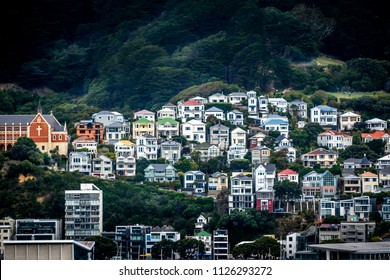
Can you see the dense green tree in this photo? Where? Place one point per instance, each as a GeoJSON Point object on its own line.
{"type": "Point", "coordinates": [26, 149]}
{"type": "Point", "coordinates": [163, 250]}
{"type": "Point", "coordinates": [105, 248]}
{"type": "Point", "coordinates": [190, 248]}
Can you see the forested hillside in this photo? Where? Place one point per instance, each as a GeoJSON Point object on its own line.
{"type": "Point", "coordinates": [138, 54]}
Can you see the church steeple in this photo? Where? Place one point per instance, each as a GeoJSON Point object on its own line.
{"type": "Point", "coordinates": [39, 107]}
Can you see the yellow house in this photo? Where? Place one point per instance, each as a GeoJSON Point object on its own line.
{"type": "Point", "coordinates": [143, 126]}
{"type": "Point", "coordinates": [369, 182]}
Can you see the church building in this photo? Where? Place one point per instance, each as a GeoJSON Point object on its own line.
{"type": "Point", "coordinates": [45, 130]}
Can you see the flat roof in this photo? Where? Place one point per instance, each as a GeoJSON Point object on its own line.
{"type": "Point", "coordinates": [359, 247]}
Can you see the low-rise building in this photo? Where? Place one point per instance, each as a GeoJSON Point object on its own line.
{"type": "Point", "coordinates": [324, 115]}
{"type": "Point", "coordinates": [235, 117]}
{"type": "Point", "coordinates": [194, 130]}
{"type": "Point", "coordinates": [383, 162]}
{"type": "Point", "coordinates": [131, 241]}
{"type": "Point", "coordinates": [90, 129]}
{"type": "Point", "coordinates": [165, 113]}
{"type": "Point", "coordinates": [160, 172]}
{"type": "Point", "coordinates": [124, 148]}
{"type": "Point", "coordinates": [171, 151]}
{"type": "Point", "coordinates": [289, 175]}
{"type": "Point", "coordinates": [145, 114]}
{"type": "Point", "coordinates": [324, 158]}
{"type": "Point", "coordinates": [280, 104]}
{"type": "Point", "coordinates": [376, 124]}
{"type": "Point", "coordinates": [299, 108]}
{"type": "Point", "coordinates": [256, 140]}
{"type": "Point", "coordinates": [357, 231]}
{"type": "Point", "coordinates": [219, 136]}
{"type": "Point", "coordinates": [277, 125]}
{"type": "Point", "coordinates": [236, 152]}
{"type": "Point", "coordinates": [316, 184]}
{"type": "Point", "coordinates": [85, 144]}
{"type": "Point", "coordinates": [353, 165]}
{"type": "Point", "coordinates": [206, 151]}
{"type": "Point", "coordinates": [241, 193]}
{"type": "Point", "coordinates": [141, 127]}
{"type": "Point", "coordinates": [214, 111]}
{"type": "Point", "coordinates": [382, 135]}
{"type": "Point", "coordinates": [217, 182]}
{"type": "Point", "coordinates": [237, 97]}
{"type": "Point", "coordinates": [327, 232]}
{"type": "Point", "coordinates": [369, 182]}
{"type": "Point", "coordinates": [385, 213]}
{"type": "Point", "coordinates": [102, 167]}
{"type": "Point", "coordinates": [351, 184]}
{"type": "Point", "coordinates": [347, 120]}
{"type": "Point", "coordinates": [38, 229]}
{"type": "Point", "coordinates": [238, 137]}
{"type": "Point", "coordinates": [7, 230]}
{"type": "Point", "coordinates": [261, 155]}
{"type": "Point", "coordinates": [107, 117]}
{"type": "Point", "coordinates": [190, 109]}
{"type": "Point", "coordinates": [81, 162]}
{"type": "Point", "coordinates": [218, 98]}
{"type": "Point", "coordinates": [159, 234]}
{"type": "Point", "coordinates": [167, 128]}
{"type": "Point", "coordinates": [147, 147]}
{"type": "Point", "coordinates": [116, 131]}
{"type": "Point", "coordinates": [126, 166]}
{"type": "Point", "coordinates": [194, 182]}
{"type": "Point", "coordinates": [334, 139]}
{"type": "Point", "coordinates": [384, 177]}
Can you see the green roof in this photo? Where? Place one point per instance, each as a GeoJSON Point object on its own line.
{"type": "Point", "coordinates": [203, 233]}
{"type": "Point", "coordinates": [142, 120]}
{"type": "Point", "coordinates": [168, 120]}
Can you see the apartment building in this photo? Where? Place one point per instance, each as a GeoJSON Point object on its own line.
{"type": "Point", "coordinates": [83, 212]}
{"type": "Point", "coordinates": [220, 244]}
{"type": "Point", "coordinates": [241, 193]}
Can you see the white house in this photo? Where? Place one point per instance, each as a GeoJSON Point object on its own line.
{"type": "Point", "coordinates": [167, 128]}
{"type": "Point", "coordinates": [241, 194]}
{"type": "Point", "coordinates": [124, 148]}
{"type": "Point", "coordinates": [116, 131]}
{"type": "Point", "coordinates": [237, 97]}
{"type": "Point", "coordinates": [194, 130]}
{"type": "Point", "coordinates": [166, 113]}
{"type": "Point", "coordinates": [376, 124]}
{"type": "Point", "coordinates": [147, 147]}
{"type": "Point", "coordinates": [145, 114]}
{"type": "Point", "coordinates": [252, 103]}
{"type": "Point", "coordinates": [190, 109]}
{"type": "Point", "coordinates": [236, 152]}
{"type": "Point", "coordinates": [300, 107]}
{"type": "Point", "coordinates": [81, 162]}
{"type": "Point", "coordinates": [324, 115]}
{"type": "Point", "coordinates": [85, 143]}
{"type": "Point", "coordinates": [264, 177]}
{"type": "Point", "coordinates": [200, 99]}
{"type": "Point", "coordinates": [218, 98]}
{"type": "Point", "coordinates": [214, 111]}
{"type": "Point", "coordinates": [263, 104]}
{"type": "Point", "coordinates": [334, 139]}
{"type": "Point", "coordinates": [238, 137]}
{"type": "Point", "coordinates": [107, 117]}
{"type": "Point", "coordinates": [235, 117]}
{"type": "Point", "coordinates": [171, 151]}
{"type": "Point", "coordinates": [347, 120]}
{"type": "Point", "coordinates": [277, 125]}
{"type": "Point", "coordinates": [126, 166]}
{"type": "Point", "coordinates": [219, 136]}
{"type": "Point", "coordinates": [194, 182]}
{"type": "Point", "coordinates": [102, 167]}
{"type": "Point", "coordinates": [280, 104]}
{"type": "Point", "coordinates": [383, 162]}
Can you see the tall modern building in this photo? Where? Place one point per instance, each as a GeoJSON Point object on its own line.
{"type": "Point", "coordinates": [220, 244]}
{"type": "Point", "coordinates": [83, 212]}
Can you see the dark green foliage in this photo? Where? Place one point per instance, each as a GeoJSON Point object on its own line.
{"type": "Point", "coordinates": [262, 248]}
{"type": "Point", "coordinates": [26, 149]}
{"type": "Point", "coordinates": [165, 247]}
{"type": "Point", "coordinates": [248, 225]}
{"type": "Point", "coordinates": [105, 248]}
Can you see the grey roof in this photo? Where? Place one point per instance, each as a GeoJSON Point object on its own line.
{"type": "Point", "coordinates": [159, 166]}
{"type": "Point", "coordinates": [350, 176]}
{"type": "Point", "coordinates": [219, 126]}
{"type": "Point", "coordinates": [202, 146]}
{"type": "Point", "coordinates": [297, 102]}
{"type": "Point", "coordinates": [214, 109]}
{"type": "Point", "coordinates": [236, 112]}
{"type": "Point", "coordinates": [117, 124]}
{"type": "Point", "coordinates": [242, 177]}
{"type": "Point", "coordinates": [147, 135]}
{"type": "Point", "coordinates": [385, 171]}
{"type": "Point", "coordinates": [15, 120]}
{"type": "Point", "coordinates": [325, 108]}
{"type": "Point", "coordinates": [238, 94]}
{"type": "Point", "coordinates": [170, 143]}
{"type": "Point", "coordinates": [363, 161]}
{"type": "Point", "coordinates": [268, 167]}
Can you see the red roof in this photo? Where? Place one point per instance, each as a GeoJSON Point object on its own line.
{"type": "Point", "coordinates": [333, 132]}
{"type": "Point", "coordinates": [287, 171]}
{"type": "Point", "coordinates": [375, 135]}
{"type": "Point", "coordinates": [191, 102]}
